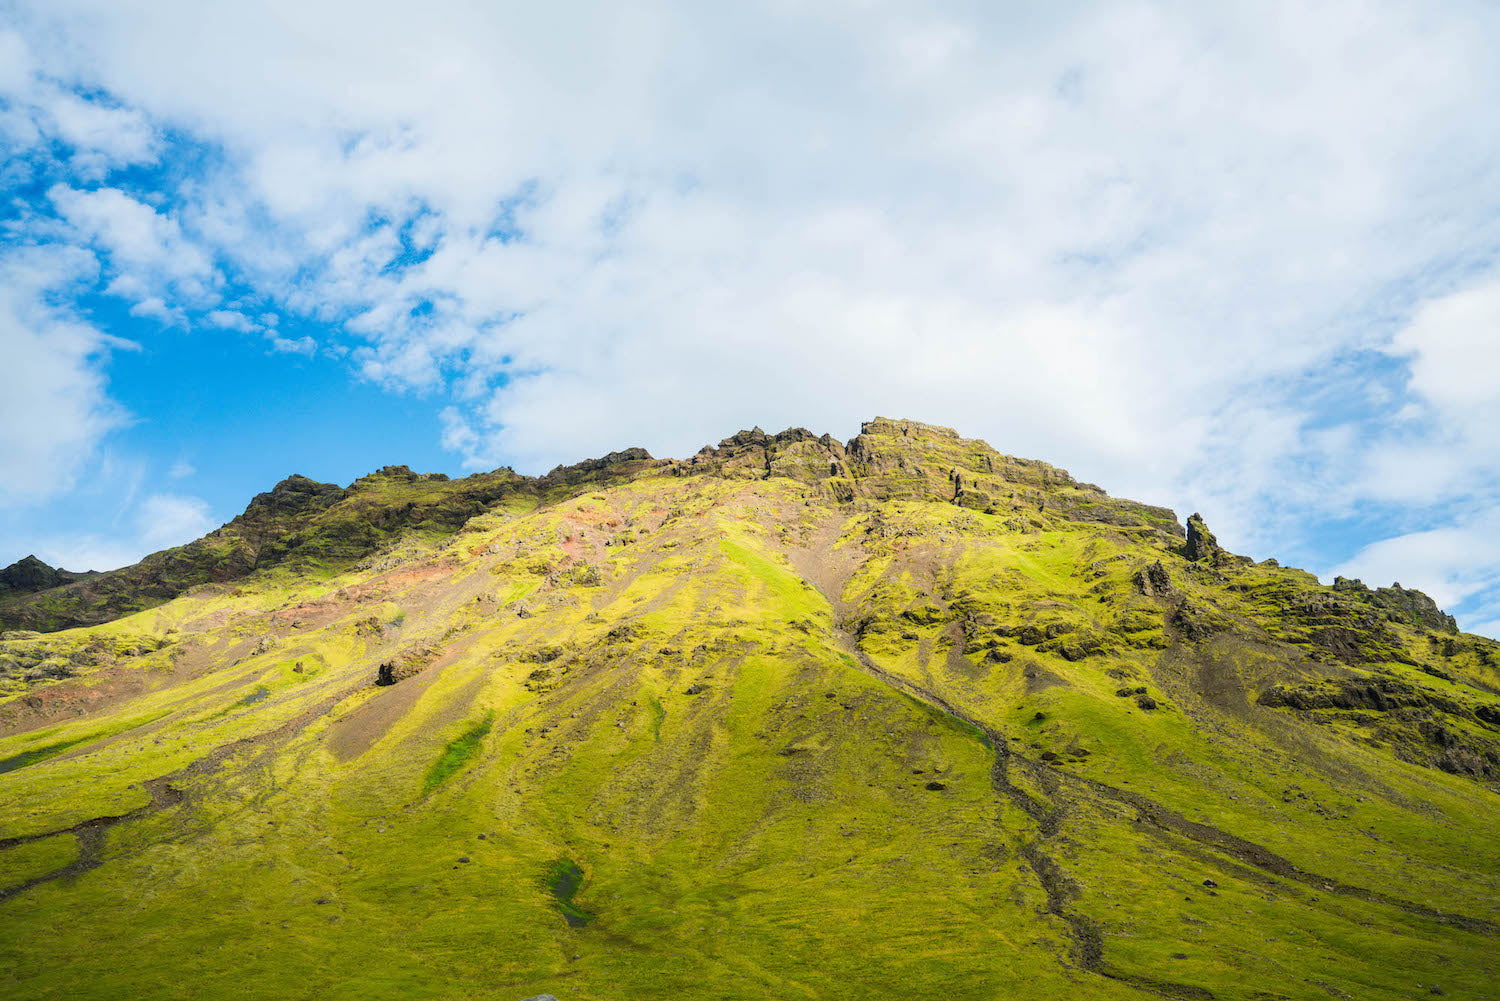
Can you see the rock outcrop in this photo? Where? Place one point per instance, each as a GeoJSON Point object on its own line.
{"type": "Point", "coordinates": [607, 468]}
{"type": "Point", "coordinates": [795, 453]}
{"type": "Point", "coordinates": [1201, 546]}
{"type": "Point", "coordinates": [1400, 604]}
{"type": "Point", "coordinates": [1154, 581]}
{"type": "Point", "coordinates": [909, 460]}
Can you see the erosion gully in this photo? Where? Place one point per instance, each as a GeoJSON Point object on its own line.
{"type": "Point", "coordinates": [1087, 941]}
{"type": "Point", "coordinates": [93, 834]}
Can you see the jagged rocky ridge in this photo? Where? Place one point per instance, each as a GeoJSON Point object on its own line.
{"type": "Point", "coordinates": [303, 524]}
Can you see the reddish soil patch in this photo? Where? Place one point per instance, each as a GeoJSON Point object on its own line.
{"type": "Point", "coordinates": [113, 685]}
{"type": "Point", "coordinates": [408, 576]}
{"type": "Point", "coordinates": [310, 614]}
{"type": "Point", "coordinates": [211, 621]}
{"type": "Point", "coordinates": [69, 700]}
{"type": "Point", "coordinates": [381, 588]}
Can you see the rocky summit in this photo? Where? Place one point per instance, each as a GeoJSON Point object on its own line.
{"type": "Point", "coordinates": [791, 718]}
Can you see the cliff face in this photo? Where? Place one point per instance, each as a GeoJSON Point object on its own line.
{"type": "Point", "coordinates": [791, 717]}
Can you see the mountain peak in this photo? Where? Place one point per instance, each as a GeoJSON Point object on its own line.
{"type": "Point", "coordinates": [29, 575]}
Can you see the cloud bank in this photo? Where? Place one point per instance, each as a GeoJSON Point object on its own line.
{"type": "Point", "coordinates": [1235, 257]}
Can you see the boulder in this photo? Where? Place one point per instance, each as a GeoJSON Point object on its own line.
{"type": "Point", "coordinates": [1154, 581]}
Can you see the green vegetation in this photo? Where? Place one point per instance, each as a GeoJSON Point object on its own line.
{"type": "Point", "coordinates": [301, 529]}
{"type": "Point", "coordinates": [789, 719]}
{"type": "Point", "coordinates": [564, 878]}
{"type": "Point", "coordinates": [33, 755]}
{"type": "Point", "coordinates": [458, 752]}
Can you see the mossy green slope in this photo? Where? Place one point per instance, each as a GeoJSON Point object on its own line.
{"type": "Point", "coordinates": [301, 527]}
{"type": "Point", "coordinates": [788, 719]}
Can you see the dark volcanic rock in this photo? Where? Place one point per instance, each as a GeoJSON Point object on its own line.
{"type": "Point", "coordinates": [1154, 581]}
{"type": "Point", "coordinates": [611, 466]}
{"type": "Point", "coordinates": [1345, 625]}
{"type": "Point", "coordinates": [795, 453]}
{"type": "Point", "coordinates": [1420, 724]}
{"type": "Point", "coordinates": [1399, 604]}
{"type": "Point", "coordinates": [296, 495]}
{"type": "Point", "coordinates": [1201, 546]}
{"type": "Point", "coordinates": [1197, 621]}
{"type": "Point", "coordinates": [1379, 692]}
{"type": "Point", "coordinates": [29, 575]}
{"type": "Point", "coordinates": [409, 662]}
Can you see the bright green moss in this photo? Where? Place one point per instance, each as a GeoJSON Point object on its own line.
{"type": "Point", "coordinates": [564, 879]}
{"type": "Point", "coordinates": [458, 753]}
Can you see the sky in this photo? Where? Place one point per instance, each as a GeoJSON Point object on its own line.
{"type": "Point", "coordinates": [1235, 258]}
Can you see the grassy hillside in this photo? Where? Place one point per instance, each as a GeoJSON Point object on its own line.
{"type": "Point", "coordinates": [789, 719]}
{"type": "Point", "coordinates": [301, 527]}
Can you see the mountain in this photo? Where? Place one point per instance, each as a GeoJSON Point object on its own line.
{"type": "Point", "coordinates": [29, 575]}
{"type": "Point", "coordinates": [299, 526]}
{"type": "Point", "coordinates": [900, 717]}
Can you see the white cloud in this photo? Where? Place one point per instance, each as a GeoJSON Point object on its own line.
{"type": "Point", "coordinates": [53, 404]}
{"type": "Point", "coordinates": [151, 524]}
{"type": "Point", "coordinates": [1443, 562]}
{"type": "Point", "coordinates": [1459, 566]}
{"type": "Point", "coordinates": [1441, 452]}
{"type": "Point", "coordinates": [156, 307]}
{"type": "Point", "coordinates": [166, 520]}
{"type": "Point", "coordinates": [145, 246]}
{"type": "Point", "coordinates": [305, 346]}
{"type": "Point", "coordinates": [101, 135]}
{"type": "Point", "coordinates": [1143, 241]}
{"type": "Point", "coordinates": [1453, 343]}
{"type": "Point", "coordinates": [118, 136]}
{"type": "Point", "coordinates": [15, 64]}
{"type": "Point", "coordinates": [228, 319]}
